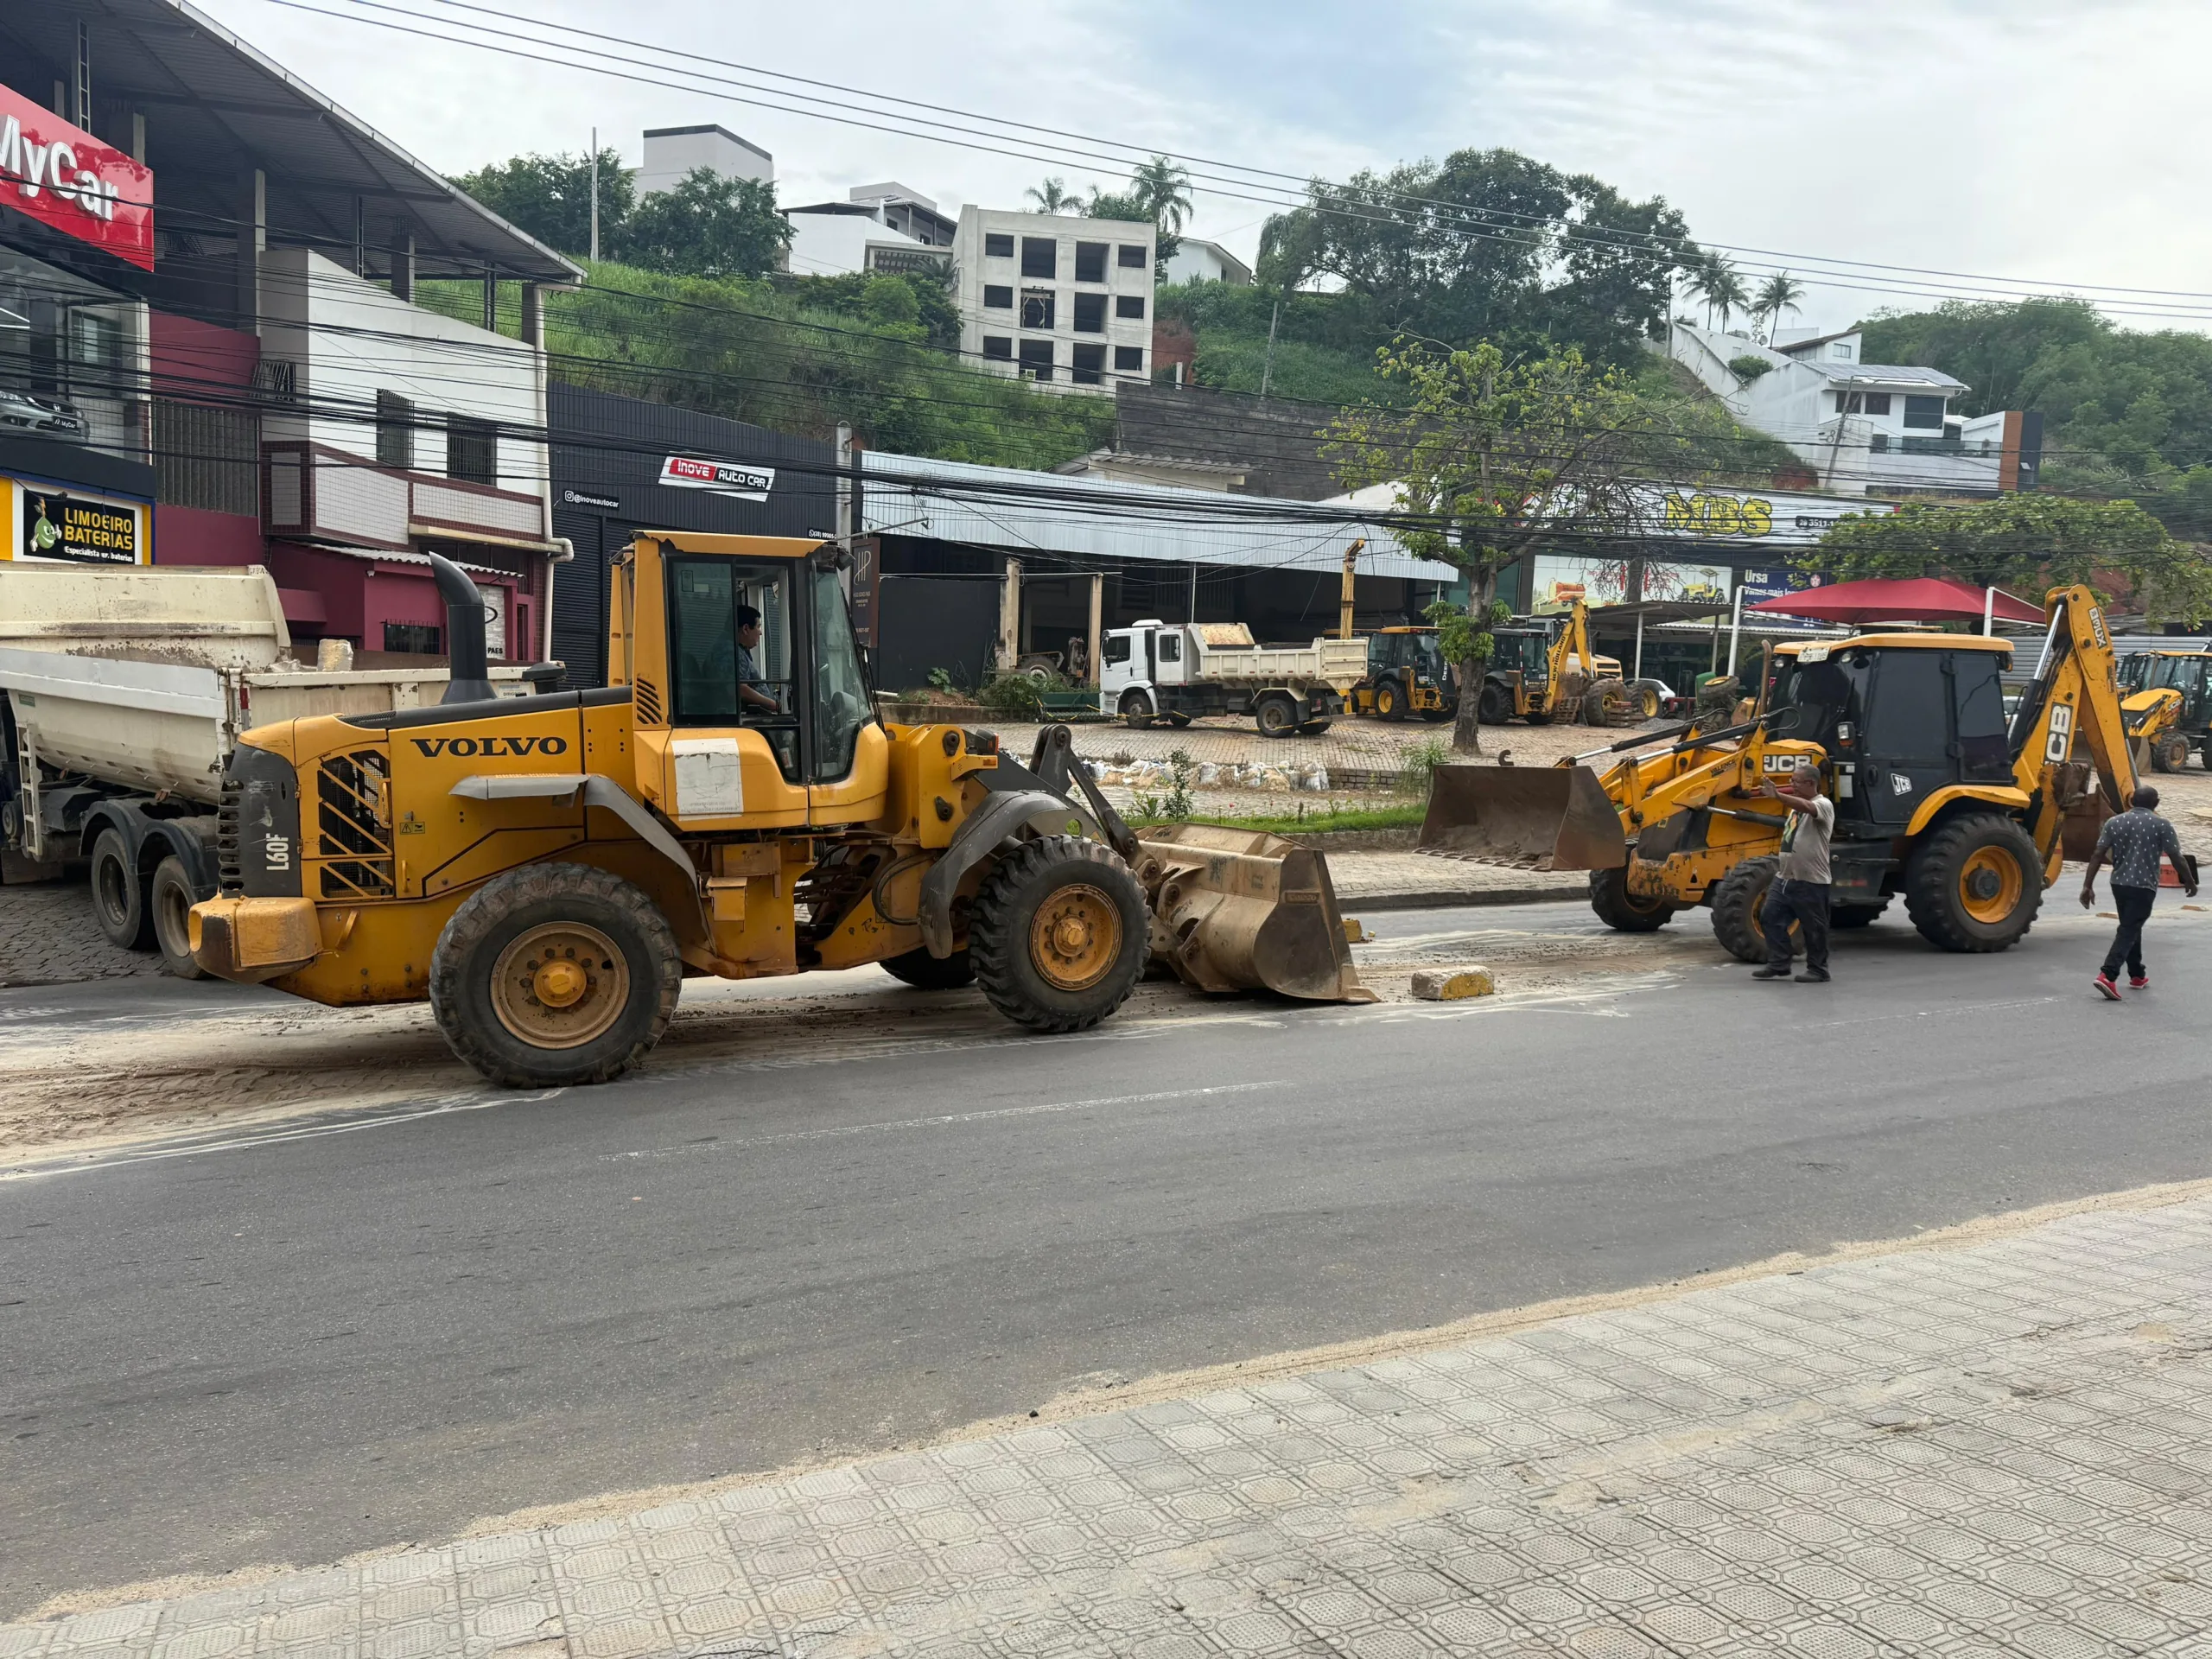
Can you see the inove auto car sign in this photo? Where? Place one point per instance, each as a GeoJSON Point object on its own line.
{"type": "Point", "coordinates": [722, 477]}
{"type": "Point", "coordinates": [62, 176]}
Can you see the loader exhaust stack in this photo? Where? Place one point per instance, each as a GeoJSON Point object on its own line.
{"type": "Point", "coordinates": [1242, 910]}
{"type": "Point", "coordinates": [1523, 818]}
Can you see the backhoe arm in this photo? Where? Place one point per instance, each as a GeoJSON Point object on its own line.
{"type": "Point", "coordinates": [2070, 720]}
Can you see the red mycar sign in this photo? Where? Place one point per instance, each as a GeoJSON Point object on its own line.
{"type": "Point", "coordinates": [63, 176]}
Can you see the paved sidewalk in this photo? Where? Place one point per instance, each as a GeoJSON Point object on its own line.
{"type": "Point", "coordinates": [48, 937]}
{"type": "Point", "coordinates": [1991, 1446]}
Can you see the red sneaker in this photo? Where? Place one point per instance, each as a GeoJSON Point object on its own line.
{"type": "Point", "coordinates": [2107, 989]}
{"type": "Point", "coordinates": [2138, 981]}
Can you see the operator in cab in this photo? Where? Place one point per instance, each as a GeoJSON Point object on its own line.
{"type": "Point", "coordinates": [751, 693]}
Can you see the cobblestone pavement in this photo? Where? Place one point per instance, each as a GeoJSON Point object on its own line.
{"type": "Point", "coordinates": [1992, 1445]}
{"type": "Point", "coordinates": [48, 937]}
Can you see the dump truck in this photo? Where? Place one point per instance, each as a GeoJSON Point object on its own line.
{"type": "Point", "coordinates": [545, 870]}
{"type": "Point", "coordinates": [1177, 671]}
{"type": "Point", "coordinates": [122, 690]}
{"type": "Point", "coordinates": [1938, 797]}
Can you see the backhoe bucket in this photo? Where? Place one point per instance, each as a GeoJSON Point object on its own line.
{"type": "Point", "coordinates": [1523, 818]}
{"type": "Point", "coordinates": [1235, 910]}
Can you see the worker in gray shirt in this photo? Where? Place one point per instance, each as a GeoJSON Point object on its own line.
{"type": "Point", "coordinates": [1799, 890]}
{"type": "Point", "coordinates": [2133, 841]}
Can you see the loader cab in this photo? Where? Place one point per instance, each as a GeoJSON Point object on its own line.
{"type": "Point", "coordinates": [1392, 651]}
{"type": "Point", "coordinates": [1900, 715]}
{"type": "Point", "coordinates": [2187, 672]}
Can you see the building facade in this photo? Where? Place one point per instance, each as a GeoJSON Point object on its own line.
{"type": "Point", "coordinates": [878, 227]}
{"type": "Point", "coordinates": [1194, 261]}
{"type": "Point", "coordinates": [1062, 301]}
{"type": "Point", "coordinates": [673, 154]}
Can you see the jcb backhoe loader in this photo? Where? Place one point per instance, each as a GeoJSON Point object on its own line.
{"type": "Point", "coordinates": [1407, 676]}
{"type": "Point", "coordinates": [1546, 671]}
{"type": "Point", "coordinates": [546, 869]}
{"type": "Point", "coordinates": [1936, 798]}
{"type": "Point", "coordinates": [2170, 705]}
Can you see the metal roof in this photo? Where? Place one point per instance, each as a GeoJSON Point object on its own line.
{"type": "Point", "coordinates": [1893, 374]}
{"type": "Point", "coordinates": [1005, 508]}
{"type": "Point", "coordinates": [215, 107]}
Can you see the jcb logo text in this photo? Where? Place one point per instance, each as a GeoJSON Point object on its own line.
{"type": "Point", "coordinates": [435, 746]}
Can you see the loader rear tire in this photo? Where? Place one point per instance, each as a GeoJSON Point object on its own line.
{"type": "Point", "coordinates": [927, 973]}
{"type": "Point", "coordinates": [1625, 911]}
{"type": "Point", "coordinates": [1059, 934]}
{"type": "Point", "coordinates": [1738, 902]}
{"type": "Point", "coordinates": [120, 895]}
{"type": "Point", "coordinates": [1494, 706]}
{"type": "Point", "coordinates": [553, 974]}
{"type": "Point", "coordinates": [1974, 885]}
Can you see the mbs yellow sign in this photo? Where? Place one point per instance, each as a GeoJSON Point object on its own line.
{"type": "Point", "coordinates": [1719, 515]}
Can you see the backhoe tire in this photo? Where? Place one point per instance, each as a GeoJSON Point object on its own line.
{"type": "Point", "coordinates": [554, 975]}
{"type": "Point", "coordinates": [1136, 711]}
{"type": "Point", "coordinates": [1495, 706]}
{"type": "Point", "coordinates": [927, 973]}
{"type": "Point", "coordinates": [1389, 701]}
{"type": "Point", "coordinates": [120, 895]}
{"type": "Point", "coordinates": [1625, 911]}
{"type": "Point", "coordinates": [1647, 699]}
{"type": "Point", "coordinates": [1059, 934]}
{"type": "Point", "coordinates": [1739, 903]}
{"type": "Point", "coordinates": [1856, 915]}
{"type": "Point", "coordinates": [169, 899]}
{"type": "Point", "coordinates": [1974, 885]}
{"type": "Point", "coordinates": [2169, 753]}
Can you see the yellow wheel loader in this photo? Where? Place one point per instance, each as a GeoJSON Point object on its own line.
{"type": "Point", "coordinates": [547, 869]}
{"type": "Point", "coordinates": [1407, 676]}
{"type": "Point", "coordinates": [2169, 706]}
{"type": "Point", "coordinates": [1937, 798]}
{"type": "Point", "coordinates": [1546, 670]}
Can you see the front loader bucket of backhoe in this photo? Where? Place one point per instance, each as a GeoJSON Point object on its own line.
{"type": "Point", "coordinates": [1237, 910]}
{"type": "Point", "coordinates": [1523, 818]}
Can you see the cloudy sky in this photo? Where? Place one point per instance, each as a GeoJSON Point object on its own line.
{"type": "Point", "coordinates": [2061, 142]}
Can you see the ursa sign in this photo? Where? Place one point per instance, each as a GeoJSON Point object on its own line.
{"type": "Point", "coordinates": [63, 176]}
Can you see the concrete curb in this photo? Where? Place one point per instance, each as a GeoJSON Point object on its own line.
{"type": "Point", "coordinates": [1461, 898]}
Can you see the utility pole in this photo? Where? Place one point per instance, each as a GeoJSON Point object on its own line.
{"type": "Point", "coordinates": [595, 195]}
{"type": "Point", "coordinates": [1268, 364]}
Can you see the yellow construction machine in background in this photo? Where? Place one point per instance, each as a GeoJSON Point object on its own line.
{"type": "Point", "coordinates": [547, 869]}
{"type": "Point", "coordinates": [1545, 669]}
{"type": "Point", "coordinates": [1938, 797]}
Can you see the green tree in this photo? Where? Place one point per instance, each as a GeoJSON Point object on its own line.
{"type": "Point", "coordinates": [550, 197]}
{"type": "Point", "coordinates": [707, 225]}
{"type": "Point", "coordinates": [1493, 457]}
{"type": "Point", "coordinates": [2028, 543]}
{"type": "Point", "coordinates": [1723, 288]}
{"type": "Point", "coordinates": [1054, 196]}
{"type": "Point", "coordinates": [1165, 190]}
{"type": "Point", "coordinates": [1779, 293]}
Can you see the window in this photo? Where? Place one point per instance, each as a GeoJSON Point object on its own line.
{"type": "Point", "coordinates": [1840, 351]}
{"type": "Point", "coordinates": [1091, 262]}
{"type": "Point", "coordinates": [1925, 413]}
{"type": "Point", "coordinates": [1090, 314]}
{"type": "Point", "coordinates": [1877, 403]}
{"type": "Point", "coordinates": [999, 296]}
{"type": "Point", "coordinates": [1171, 648]}
{"type": "Point", "coordinates": [1040, 257]}
{"type": "Point", "coordinates": [1117, 648]}
{"type": "Point", "coordinates": [1088, 366]}
{"type": "Point", "coordinates": [1129, 358]}
{"type": "Point", "coordinates": [1984, 752]}
{"type": "Point", "coordinates": [1878, 444]}
{"type": "Point", "coordinates": [1128, 305]}
{"type": "Point", "coordinates": [840, 690]}
{"type": "Point", "coordinates": [1036, 308]}
{"type": "Point", "coordinates": [472, 450]}
{"type": "Point", "coordinates": [1909, 724]}
{"type": "Point", "coordinates": [1036, 359]}
{"type": "Point", "coordinates": [1131, 258]}
{"type": "Point", "coordinates": [998, 247]}
{"type": "Point", "coordinates": [998, 346]}
{"type": "Point", "coordinates": [710, 599]}
{"type": "Point", "coordinates": [411, 639]}
{"type": "Point", "coordinates": [395, 430]}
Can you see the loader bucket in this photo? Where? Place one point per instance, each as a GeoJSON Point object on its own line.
{"type": "Point", "coordinates": [1523, 818]}
{"type": "Point", "coordinates": [1235, 910]}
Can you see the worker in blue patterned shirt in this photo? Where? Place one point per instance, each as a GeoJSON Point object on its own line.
{"type": "Point", "coordinates": [2133, 841]}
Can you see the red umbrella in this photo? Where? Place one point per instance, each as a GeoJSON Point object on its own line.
{"type": "Point", "coordinates": [1916, 599]}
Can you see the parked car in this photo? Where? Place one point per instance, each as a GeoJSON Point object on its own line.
{"type": "Point", "coordinates": [22, 409]}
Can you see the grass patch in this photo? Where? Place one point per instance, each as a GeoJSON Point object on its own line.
{"type": "Point", "coordinates": [1405, 814]}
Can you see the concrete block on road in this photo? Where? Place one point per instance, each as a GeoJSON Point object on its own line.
{"type": "Point", "coordinates": [1452, 984]}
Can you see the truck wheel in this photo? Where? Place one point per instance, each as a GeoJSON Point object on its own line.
{"type": "Point", "coordinates": [1495, 706]}
{"type": "Point", "coordinates": [120, 895]}
{"type": "Point", "coordinates": [1738, 900]}
{"type": "Point", "coordinates": [1974, 885]}
{"type": "Point", "coordinates": [927, 973]}
{"type": "Point", "coordinates": [555, 974]}
{"type": "Point", "coordinates": [1622, 910]}
{"type": "Point", "coordinates": [1136, 711]}
{"type": "Point", "coordinates": [1059, 934]}
{"type": "Point", "coordinates": [1276, 715]}
{"type": "Point", "coordinates": [1389, 701]}
{"type": "Point", "coordinates": [170, 901]}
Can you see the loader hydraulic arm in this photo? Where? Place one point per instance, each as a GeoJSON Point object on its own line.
{"type": "Point", "coordinates": [2073, 701]}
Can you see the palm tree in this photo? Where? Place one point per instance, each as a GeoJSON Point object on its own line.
{"type": "Point", "coordinates": [1779, 293]}
{"type": "Point", "coordinates": [1694, 273]}
{"type": "Point", "coordinates": [1723, 289]}
{"type": "Point", "coordinates": [1052, 196]}
{"type": "Point", "coordinates": [1164, 189]}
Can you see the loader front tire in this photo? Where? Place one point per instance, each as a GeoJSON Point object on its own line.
{"type": "Point", "coordinates": [2169, 753]}
{"type": "Point", "coordinates": [927, 973]}
{"type": "Point", "coordinates": [553, 974]}
{"type": "Point", "coordinates": [1059, 934]}
{"type": "Point", "coordinates": [1739, 906]}
{"type": "Point", "coordinates": [1622, 910]}
{"type": "Point", "coordinates": [1974, 885]}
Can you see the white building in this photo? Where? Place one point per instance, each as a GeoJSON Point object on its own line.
{"type": "Point", "coordinates": [671, 154]}
{"type": "Point", "coordinates": [886, 227]}
{"type": "Point", "coordinates": [1058, 299]}
{"type": "Point", "coordinates": [1206, 262]}
{"type": "Point", "coordinates": [1883, 427]}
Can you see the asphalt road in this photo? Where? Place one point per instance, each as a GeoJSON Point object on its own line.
{"type": "Point", "coordinates": [282, 1345]}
